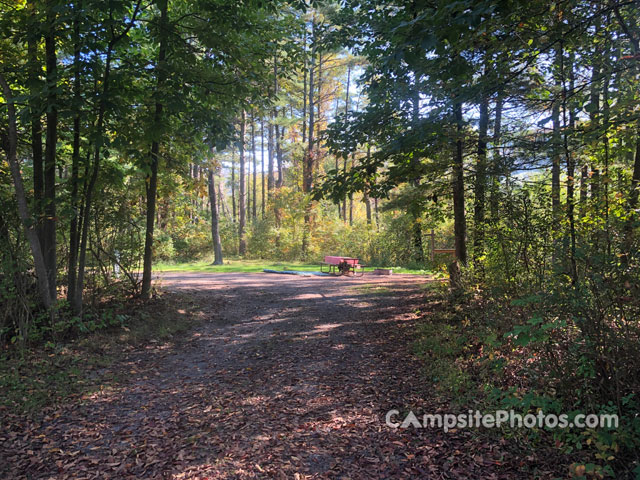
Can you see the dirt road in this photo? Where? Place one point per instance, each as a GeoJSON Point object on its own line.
{"type": "Point", "coordinates": [289, 377]}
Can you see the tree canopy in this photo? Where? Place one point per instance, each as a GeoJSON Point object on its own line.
{"type": "Point", "coordinates": [142, 131]}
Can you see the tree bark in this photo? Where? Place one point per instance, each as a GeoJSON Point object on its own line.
{"type": "Point", "coordinates": [222, 205]}
{"type": "Point", "coordinates": [496, 159]}
{"type": "Point", "coordinates": [253, 150]}
{"type": "Point", "coordinates": [418, 246]}
{"type": "Point", "coordinates": [459, 221]}
{"type": "Point", "coordinates": [556, 144]}
{"type": "Point", "coordinates": [304, 88]}
{"type": "Point", "coordinates": [631, 30]}
{"type": "Point", "coordinates": [377, 214]}
{"type": "Point", "coordinates": [215, 230]}
{"type": "Point", "coordinates": [270, 175]}
{"type": "Point", "coordinates": [346, 116]}
{"type": "Point", "coordinates": [152, 185]}
{"type": "Point", "coordinates": [49, 227]}
{"type": "Point", "coordinates": [89, 188]}
{"type": "Point", "coordinates": [278, 151]}
{"type": "Point", "coordinates": [336, 111]}
{"type": "Point", "coordinates": [88, 195]}
{"type": "Point", "coordinates": [262, 190]}
{"type": "Point", "coordinates": [242, 243]}
{"type": "Point", "coordinates": [570, 162]}
{"type": "Point", "coordinates": [635, 179]}
{"type": "Point", "coordinates": [367, 204]}
{"type": "Point", "coordinates": [344, 199]}
{"type": "Point", "coordinates": [307, 167]}
{"type": "Point", "coordinates": [10, 144]}
{"type": "Point", "coordinates": [248, 189]}
{"type": "Point", "coordinates": [74, 233]}
{"type": "Point", "coordinates": [36, 131]}
{"type": "Point", "coordinates": [594, 119]}
{"type": "Point", "coordinates": [481, 180]}
{"type": "Point", "coordinates": [279, 140]}
{"type": "Point", "coordinates": [233, 185]}
{"type": "Point", "coordinates": [318, 101]}
{"type": "Point", "coordinates": [365, 196]}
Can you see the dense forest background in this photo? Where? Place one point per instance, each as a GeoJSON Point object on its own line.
{"type": "Point", "coordinates": [142, 131]}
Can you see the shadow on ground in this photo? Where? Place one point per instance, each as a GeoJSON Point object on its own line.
{"type": "Point", "coordinates": [290, 377]}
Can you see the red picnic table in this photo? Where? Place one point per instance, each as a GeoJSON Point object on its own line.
{"type": "Point", "coordinates": [342, 265]}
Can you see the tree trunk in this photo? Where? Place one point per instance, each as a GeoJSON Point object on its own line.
{"type": "Point", "coordinates": [85, 213]}
{"type": "Point", "coordinates": [248, 188]}
{"type": "Point", "coordinates": [270, 176]}
{"type": "Point", "coordinates": [365, 196]}
{"type": "Point", "coordinates": [481, 180]}
{"type": "Point", "coordinates": [632, 32]}
{"type": "Point", "coordinates": [152, 185]}
{"type": "Point", "coordinates": [307, 167]}
{"type": "Point", "coordinates": [88, 195]}
{"type": "Point", "coordinates": [280, 139]}
{"type": "Point", "coordinates": [635, 179]}
{"type": "Point", "coordinates": [375, 205]}
{"type": "Point", "coordinates": [74, 233]}
{"type": "Point", "coordinates": [36, 132]}
{"type": "Point", "coordinates": [594, 118]}
{"type": "Point", "coordinates": [584, 180]}
{"type": "Point", "coordinates": [344, 199]}
{"type": "Point", "coordinates": [556, 145]}
{"type": "Point", "coordinates": [318, 101]}
{"type": "Point", "coordinates": [253, 150]}
{"type": "Point", "coordinates": [10, 144]}
{"type": "Point", "coordinates": [262, 190]}
{"type": "Point", "coordinates": [151, 191]}
{"type": "Point", "coordinates": [278, 151]}
{"type": "Point", "coordinates": [277, 210]}
{"type": "Point", "coordinates": [336, 111]}
{"type": "Point", "coordinates": [49, 228]}
{"type": "Point", "coordinates": [367, 204]}
{"type": "Point", "coordinates": [215, 231]}
{"type": "Point", "coordinates": [304, 88]}
{"type": "Point", "coordinates": [233, 184]}
{"type": "Point", "coordinates": [570, 162]}
{"type": "Point", "coordinates": [418, 247]}
{"type": "Point", "coordinates": [632, 202]}
{"type": "Point", "coordinates": [222, 204]}
{"type": "Point", "coordinates": [278, 154]}
{"type": "Point", "coordinates": [459, 221]}
{"type": "Point", "coordinates": [496, 160]}
{"type": "Point", "coordinates": [346, 116]}
{"type": "Point", "coordinates": [242, 243]}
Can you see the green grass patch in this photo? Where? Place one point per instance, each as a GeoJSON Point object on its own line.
{"type": "Point", "coordinates": [254, 266]}
{"type": "Point", "coordinates": [372, 289]}
{"type": "Point", "coordinates": [411, 271]}
{"type": "Point", "coordinates": [234, 265]}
